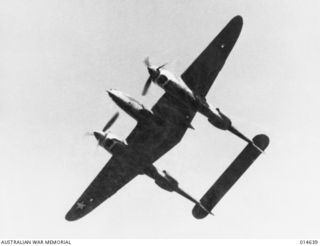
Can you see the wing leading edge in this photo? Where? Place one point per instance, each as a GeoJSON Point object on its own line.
{"type": "Point", "coordinates": [203, 71]}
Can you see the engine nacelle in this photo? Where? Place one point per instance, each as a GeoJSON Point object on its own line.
{"type": "Point", "coordinates": [167, 182]}
{"type": "Point", "coordinates": [110, 142]}
{"type": "Point", "coordinates": [222, 122]}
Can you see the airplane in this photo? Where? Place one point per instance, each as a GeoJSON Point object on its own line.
{"type": "Point", "coordinates": [158, 130]}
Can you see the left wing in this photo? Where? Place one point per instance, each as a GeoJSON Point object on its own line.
{"type": "Point", "coordinates": [115, 174]}
{"type": "Point", "coordinates": [146, 143]}
{"type": "Point", "coordinates": [204, 70]}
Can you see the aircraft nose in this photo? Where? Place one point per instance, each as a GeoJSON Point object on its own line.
{"type": "Point", "coordinates": [114, 94]}
{"type": "Point", "coordinates": [97, 135]}
{"type": "Point", "coordinates": [118, 97]}
{"type": "Point", "coordinates": [111, 93]}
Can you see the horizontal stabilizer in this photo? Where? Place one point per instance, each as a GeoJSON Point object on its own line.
{"type": "Point", "coordinates": [230, 176]}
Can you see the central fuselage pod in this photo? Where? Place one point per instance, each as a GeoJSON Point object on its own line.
{"type": "Point", "coordinates": [131, 106]}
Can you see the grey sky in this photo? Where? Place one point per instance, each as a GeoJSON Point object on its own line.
{"type": "Point", "coordinates": [58, 58]}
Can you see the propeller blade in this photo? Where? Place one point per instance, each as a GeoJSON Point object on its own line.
{"type": "Point", "coordinates": [163, 65]}
{"type": "Point", "coordinates": [110, 122]}
{"type": "Point", "coordinates": [146, 86]}
{"type": "Point", "coordinates": [147, 61]}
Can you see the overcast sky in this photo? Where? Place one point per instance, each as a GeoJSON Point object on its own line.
{"type": "Point", "coordinates": [57, 58]}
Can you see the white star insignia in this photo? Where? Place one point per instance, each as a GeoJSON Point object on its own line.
{"type": "Point", "coordinates": [81, 205]}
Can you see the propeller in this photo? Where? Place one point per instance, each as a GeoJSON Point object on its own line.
{"type": "Point", "coordinates": [147, 61]}
{"type": "Point", "coordinates": [111, 121]}
{"type": "Point", "coordinates": [153, 73]}
{"type": "Point", "coordinates": [106, 127]}
{"type": "Point", "coordinates": [146, 86]}
{"type": "Point", "coordinates": [163, 65]}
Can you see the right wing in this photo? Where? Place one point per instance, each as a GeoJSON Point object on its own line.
{"type": "Point", "coordinates": [203, 71]}
{"type": "Point", "coordinates": [115, 174]}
